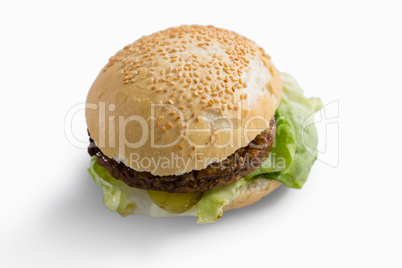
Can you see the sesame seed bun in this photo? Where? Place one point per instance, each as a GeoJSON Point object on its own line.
{"type": "Point", "coordinates": [194, 93]}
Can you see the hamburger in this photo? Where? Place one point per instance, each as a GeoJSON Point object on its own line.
{"type": "Point", "coordinates": [194, 121]}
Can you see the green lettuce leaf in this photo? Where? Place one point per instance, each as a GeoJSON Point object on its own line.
{"type": "Point", "coordinates": [283, 153]}
{"type": "Point", "coordinates": [113, 197]}
{"type": "Point", "coordinates": [210, 207]}
{"type": "Point", "coordinates": [299, 112]}
{"type": "Point", "coordinates": [124, 199]}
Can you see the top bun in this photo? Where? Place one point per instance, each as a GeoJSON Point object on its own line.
{"type": "Point", "coordinates": [182, 98]}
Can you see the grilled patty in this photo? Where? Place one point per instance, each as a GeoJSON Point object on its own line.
{"type": "Point", "coordinates": [236, 166]}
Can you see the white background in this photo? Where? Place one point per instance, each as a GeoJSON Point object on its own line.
{"type": "Point", "coordinates": [52, 214]}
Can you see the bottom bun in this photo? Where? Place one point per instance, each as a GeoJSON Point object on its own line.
{"type": "Point", "coordinates": [249, 194]}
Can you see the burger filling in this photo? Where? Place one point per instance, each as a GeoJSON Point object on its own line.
{"type": "Point", "coordinates": [236, 166]}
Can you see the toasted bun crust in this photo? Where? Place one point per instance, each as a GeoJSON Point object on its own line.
{"type": "Point", "coordinates": [253, 193]}
{"type": "Point", "coordinates": [187, 93]}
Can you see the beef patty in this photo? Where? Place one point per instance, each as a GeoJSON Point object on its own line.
{"type": "Point", "coordinates": [236, 166]}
